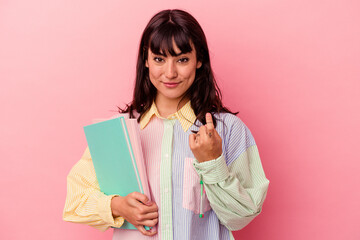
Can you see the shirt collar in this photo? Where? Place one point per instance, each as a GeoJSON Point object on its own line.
{"type": "Point", "coordinates": [185, 115]}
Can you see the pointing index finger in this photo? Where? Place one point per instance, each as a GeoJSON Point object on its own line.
{"type": "Point", "coordinates": [209, 121]}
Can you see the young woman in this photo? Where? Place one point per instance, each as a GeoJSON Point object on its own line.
{"type": "Point", "coordinates": [204, 170]}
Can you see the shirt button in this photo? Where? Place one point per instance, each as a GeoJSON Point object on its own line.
{"type": "Point", "coordinates": [166, 155]}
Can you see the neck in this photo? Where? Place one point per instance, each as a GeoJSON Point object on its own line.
{"type": "Point", "coordinates": [166, 108]}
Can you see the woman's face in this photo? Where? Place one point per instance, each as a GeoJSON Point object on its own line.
{"type": "Point", "coordinates": [172, 76]}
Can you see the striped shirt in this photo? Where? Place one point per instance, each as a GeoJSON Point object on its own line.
{"type": "Point", "coordinates": [235, 185]}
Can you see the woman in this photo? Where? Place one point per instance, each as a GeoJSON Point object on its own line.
{"type": "Point", "coordinates": [190, 142]}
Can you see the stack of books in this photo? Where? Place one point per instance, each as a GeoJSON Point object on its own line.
{"type": "Point", "coordinates": [116, 152]}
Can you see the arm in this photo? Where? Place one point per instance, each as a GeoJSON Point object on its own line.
{"type": "Point", "coordinates": [235, 182]}
{"type": "Point", "coordinates": [236, 192]}
{"type": "Point", "coordinates": [85, 203]}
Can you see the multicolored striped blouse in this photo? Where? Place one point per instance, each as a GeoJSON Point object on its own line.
{"type": "Point", "coordinates": [235, 185]}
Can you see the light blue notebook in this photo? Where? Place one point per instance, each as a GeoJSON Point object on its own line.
{"type": "Point", "coordinates": [113, 159]}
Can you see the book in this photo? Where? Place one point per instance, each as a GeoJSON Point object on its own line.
{"type": "Point", "coordinates": [116, 152]}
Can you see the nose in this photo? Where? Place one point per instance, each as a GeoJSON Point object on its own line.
{"type": "Point", "coordinates": [170, 71]}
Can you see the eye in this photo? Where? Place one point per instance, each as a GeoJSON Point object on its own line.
{"type": "Point", "coordinates": [158, 59]}
{"type": "Point", "coordinates": [184, 60]}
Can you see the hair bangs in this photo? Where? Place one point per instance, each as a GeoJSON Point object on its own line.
{"type": "Point", "coordinates": [161, 41]}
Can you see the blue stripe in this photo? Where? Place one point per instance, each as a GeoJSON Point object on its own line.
{"type": "Point", "coordinates": [239, 135]}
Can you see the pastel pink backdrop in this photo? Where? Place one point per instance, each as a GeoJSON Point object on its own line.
{"type": "Point", "coordinates": [290, 67]}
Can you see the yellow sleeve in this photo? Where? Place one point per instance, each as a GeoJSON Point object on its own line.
{"type": "Point", "coordinates": [85, 203]}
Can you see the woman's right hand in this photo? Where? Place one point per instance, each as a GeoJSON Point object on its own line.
{"type": "Point", "coordinates": [137, 210]}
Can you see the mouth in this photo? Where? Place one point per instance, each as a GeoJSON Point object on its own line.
{"type": "Point", "coordinates": [171, 84]}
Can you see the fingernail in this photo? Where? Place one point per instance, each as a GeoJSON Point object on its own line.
{"type": "Point", "coordinates": [148, 203]}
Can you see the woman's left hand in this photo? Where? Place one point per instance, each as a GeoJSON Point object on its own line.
{"type": "Point", "coordinates": [206, 145]}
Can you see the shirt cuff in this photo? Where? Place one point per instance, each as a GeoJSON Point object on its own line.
{"type": "Point", "coordinates": [104, 206]}
{"type": "Point", "coordinates": [213, 171]}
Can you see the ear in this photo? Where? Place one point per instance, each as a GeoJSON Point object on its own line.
{"type": "Point", "coordinates": [199, 64]}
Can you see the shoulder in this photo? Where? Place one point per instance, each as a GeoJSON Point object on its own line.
{"type": "Point", "coordinates": [125, 115]}
{"type": "Point", "coordinates": [232, 128]}
{"type": "Point", "coordinates": [229, 121]}
{"type": "Point", "coordinates": [235, 134]}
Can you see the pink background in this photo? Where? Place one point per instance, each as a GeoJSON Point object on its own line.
{"type": "Point", "coordinates": [292, 69]}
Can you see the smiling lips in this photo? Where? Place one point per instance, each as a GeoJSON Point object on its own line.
{"type": "Point", "coordinates": [170, 84]}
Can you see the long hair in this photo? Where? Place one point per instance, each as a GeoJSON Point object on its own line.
{"type": "Point", "coordinates": [162, 29]}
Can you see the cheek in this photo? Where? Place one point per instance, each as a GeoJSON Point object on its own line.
{"type": "Point", "coordinates": [190, 72]}
{"type": "Point", "coordinates": [154, 72]}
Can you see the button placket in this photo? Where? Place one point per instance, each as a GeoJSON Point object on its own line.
{"type": "Point", "coordinates": [165, 180]}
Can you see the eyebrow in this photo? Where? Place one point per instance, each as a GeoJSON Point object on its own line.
{"type": "Point", "coordinates": [162, 54]}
